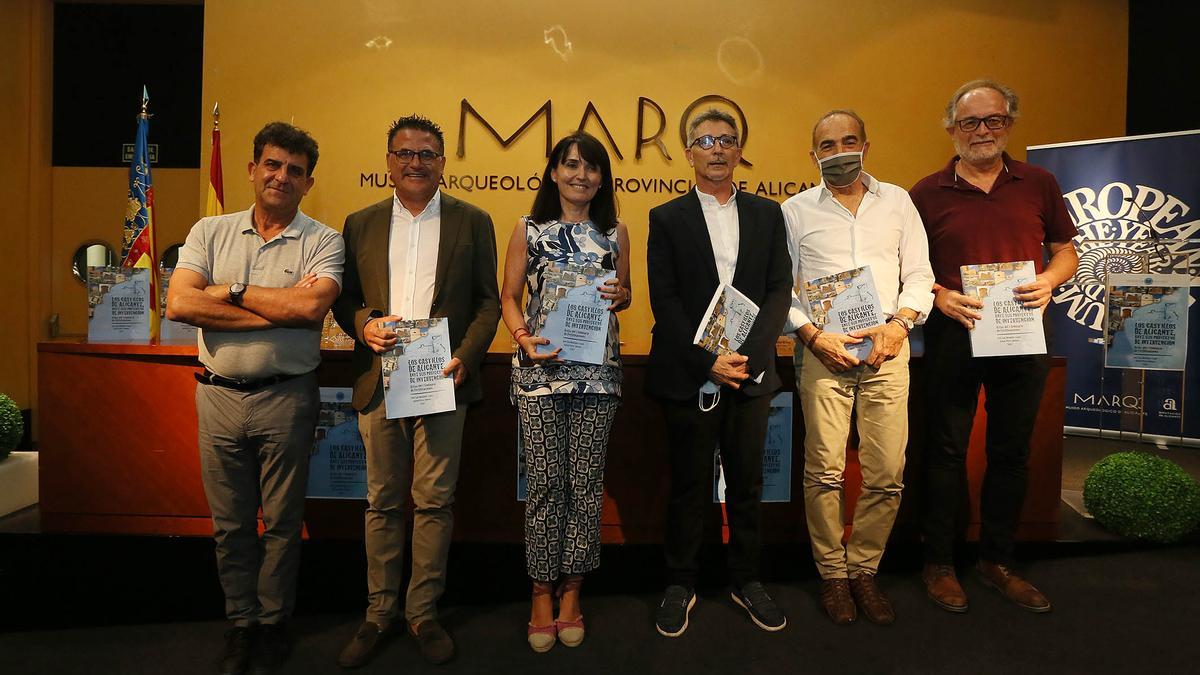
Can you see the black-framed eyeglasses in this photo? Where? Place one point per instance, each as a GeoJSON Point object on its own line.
{"type": "Point", "coordinates": [992, 122]}
{"type": "Point", "coordinates": [406, 155]}
{"type": "Point", "coordinates": [707, 141]}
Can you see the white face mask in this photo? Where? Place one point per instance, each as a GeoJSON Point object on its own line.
{"type": "Point", "coordinates": [841, 169]}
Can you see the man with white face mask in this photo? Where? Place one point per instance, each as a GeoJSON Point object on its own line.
{"type": "Point", "coordinates": [852, 220]}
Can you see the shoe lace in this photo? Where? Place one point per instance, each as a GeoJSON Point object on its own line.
{"type": "Point", "coordinates": [756, 594]}
{"type": "Point", "coordinates": [676, 596]}
{"type": "Point", "coordinates": [836, 591]}
{"type": "Point", "coordinates": [867, 587]}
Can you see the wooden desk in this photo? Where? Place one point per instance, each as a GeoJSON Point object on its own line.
{"type": "Point", "coordinates": [117, 437]}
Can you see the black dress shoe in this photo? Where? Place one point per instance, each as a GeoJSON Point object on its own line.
{"type": "Point", "coordinates": [239, 643]}
{"type": "Point", "coordinates": [436, 645]}
{"type": "Point", "coordinates": [362, 646]}
{"type": "Point", "coordinates": [271, 648]}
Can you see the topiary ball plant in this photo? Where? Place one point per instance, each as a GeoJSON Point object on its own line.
{"type": "Point", "coordinates": [1138, 495]}
{"type": "Point", "coordinates": [12, 425]}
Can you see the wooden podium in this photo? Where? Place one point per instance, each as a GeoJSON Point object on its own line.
{"type": "Point", "coordinates": [118, 454]}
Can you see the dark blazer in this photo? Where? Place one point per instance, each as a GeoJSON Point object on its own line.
{"type": "Point", "coordinates": [683, 277]}
{"type": "Point", "coordinates": [464, 289]}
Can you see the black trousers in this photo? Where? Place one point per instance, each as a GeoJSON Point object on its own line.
{"type": "Point", "coordinates": [1013, 391]}
{"type": "Point", "coordinates": [738, 426]}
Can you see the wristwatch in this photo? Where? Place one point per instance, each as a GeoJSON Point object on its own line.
{"type": "Point", "coordinates": [904, 321]}
{"type": "Point", "coordinates": [236, 290]}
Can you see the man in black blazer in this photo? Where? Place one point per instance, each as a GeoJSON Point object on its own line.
{"type": "Point", "coordinates": [715, 235]}
{"type": "Point", "coordinates": [418, 254]}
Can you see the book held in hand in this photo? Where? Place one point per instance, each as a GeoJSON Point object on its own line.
{"type": "Point", "coordinates": [574, 316]}
{"type": "Point", "coordinates": [1008, 328]}
{"type": "Point", "coordinates": [725, 326]}
{"type": "Point", "coordinates": [413, 383]}
{"type": "Point", "coordinates": [845, 302]}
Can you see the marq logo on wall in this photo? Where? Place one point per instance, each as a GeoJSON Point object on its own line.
{"type": "Point", "coordinates": [1123, 229]}
{"type": "Point", "coordinates": [651, 128]}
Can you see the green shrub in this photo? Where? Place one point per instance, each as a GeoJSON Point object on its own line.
{"type": "Point", "coordinates": [12, 425]}
{"type": "Point", "coordinates": [1142, 496]}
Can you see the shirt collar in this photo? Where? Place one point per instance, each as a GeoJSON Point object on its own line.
{"type": "Point", "coordinates": [293, 230]}
{"type": "Point", "coordinates": [710, 202]}
{"type": "Point", "coordinates": [868, 180]}
{"type": "Point", "coordinates": [433, 208]}
{"type": "Point", "coordinates": [949, 178]}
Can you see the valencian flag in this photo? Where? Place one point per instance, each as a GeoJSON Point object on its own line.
{"type": "Point", "coordinates": [137, 248]}
{"type": "Point", "coordinates": [216, 185]}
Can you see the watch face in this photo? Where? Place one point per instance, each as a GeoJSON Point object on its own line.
{"type": "Point", "coordinates": [237, 289]}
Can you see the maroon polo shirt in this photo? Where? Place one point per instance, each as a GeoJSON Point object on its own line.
{"type": "Point", "coordinates": [967, 226]}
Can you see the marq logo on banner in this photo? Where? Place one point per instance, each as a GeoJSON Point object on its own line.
{"type": "Point", "coordinates": [1121, 228]}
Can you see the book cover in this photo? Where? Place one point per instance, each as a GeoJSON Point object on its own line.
{"type": "Point", "coordinates": [1007, 328]}
{"type": "Point", "coordinates": [1146, 322]}
{"type": "Point", "coordinates": [337, 466]}
{"type": "Point", "coordinates": [119, 304]}
{"type": "Point", "coordinates": [845, 302]}
{"type": "Point", "coordinates": [573, 315]}
{"type": "Point", "coordinates": [413, 383]}
{"type": "Point", "coordinates": [727, 321]}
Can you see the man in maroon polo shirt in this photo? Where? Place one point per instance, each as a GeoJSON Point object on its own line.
{"type": "Point", "coordinates": [984, 207]}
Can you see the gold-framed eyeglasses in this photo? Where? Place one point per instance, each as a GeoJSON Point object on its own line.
{"type": "Point", "coordinates": [992, 122]}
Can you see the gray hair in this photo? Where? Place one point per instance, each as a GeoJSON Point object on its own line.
{"type": "Point", "coordinates": [1010, 98]}
{"type": "Point", "coordinates": [862, 126]}
{"type": "Point", "coordinates": [711, 115]}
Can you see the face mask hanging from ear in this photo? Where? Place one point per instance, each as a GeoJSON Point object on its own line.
{"type": "Point", "coordinates": [842, 169]}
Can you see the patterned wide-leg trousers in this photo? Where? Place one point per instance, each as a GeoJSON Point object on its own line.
{"type": "Point", "coordinates": [566, 439]}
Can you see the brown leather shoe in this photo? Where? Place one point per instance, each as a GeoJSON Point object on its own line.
{"type": "Point", "coordinates": [837, 602]}
{"type": "Point", "coordinates": [436, 645]}
{"type": "Point", "coordinates": [871, 600]}
{"type": "Point", "coordinates": [1013, 587]}
{"type": "Point", "coordinates": [362, 646]}
{"type": "Point", "coordinates": [942, 587]}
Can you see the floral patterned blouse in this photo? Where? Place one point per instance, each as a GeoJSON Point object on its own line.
{"type": "Point", "coordinates": [563, 243]}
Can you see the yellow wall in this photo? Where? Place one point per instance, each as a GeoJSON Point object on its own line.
{"type": "Point", "coordinates": [330, 69]}
{"type": "Point", "coordinates": [345, 74]}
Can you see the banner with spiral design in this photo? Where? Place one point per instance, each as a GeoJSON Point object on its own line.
{"type": "Point", "coordinates": [1135, 202]}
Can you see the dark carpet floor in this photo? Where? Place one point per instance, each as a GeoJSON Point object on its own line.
{"type": "Point", "coordinates": [152, 605]}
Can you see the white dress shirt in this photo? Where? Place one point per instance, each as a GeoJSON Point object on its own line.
{"type": "Point", "coordinates": [825, 238]}
{"type": "Point", "coordinates": [722, 222]}
{"type": "Point", "coordinates": [412, 258]}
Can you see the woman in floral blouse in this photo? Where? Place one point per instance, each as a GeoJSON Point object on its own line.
{"type": "Point", "coordinates": [565, 408]}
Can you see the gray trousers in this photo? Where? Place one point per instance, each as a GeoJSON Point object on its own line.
{"type": "Point", "coordinates": [422, 452]}
{"type": "Point", "coordinates": [254, 450]}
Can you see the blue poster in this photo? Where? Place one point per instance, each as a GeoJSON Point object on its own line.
{"type": "Point", "coordinates": [1133, 203]}
{"type": "Point", "coordinates": [337, 467]}
{"type": "Point", "coordinates": [1146, 325]}
{"type": "Point", "coordinates": [777, 455]}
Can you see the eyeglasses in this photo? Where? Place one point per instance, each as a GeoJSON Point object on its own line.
{"type": "Point", "coordinates": [992, 122]}
{"type": "Point", "coordinates": [406, 156]}
{"type": "Point", "coordinates": [707, 141]}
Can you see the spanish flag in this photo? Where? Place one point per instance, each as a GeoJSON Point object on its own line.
{"type": "Point", "coordinates": [216, 184]}
{"type": "Point", "coordinates": [137, 247]}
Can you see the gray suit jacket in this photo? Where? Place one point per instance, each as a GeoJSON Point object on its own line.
{"type": "Point", "coordinates": [464, 289]}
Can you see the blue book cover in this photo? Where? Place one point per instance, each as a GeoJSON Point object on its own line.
{"type": "Point", "coordinates": [573, 315]}
{"type": "Point", "coordinates": [845, 302]}
{"type": "Point", "coordinates": [1146, 323]}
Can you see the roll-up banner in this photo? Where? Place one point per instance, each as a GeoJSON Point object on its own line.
{"type": "Point", "coordinates": [1134, 202]}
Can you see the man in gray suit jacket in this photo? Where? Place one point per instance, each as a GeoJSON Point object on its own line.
{"type": "Point", "coordinates": [418, 254]}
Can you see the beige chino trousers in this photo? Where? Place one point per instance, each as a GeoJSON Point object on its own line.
{"type": "Point", "coordinates": [827, 400]}
{"type": "Point", "coordinates": [424, 451]}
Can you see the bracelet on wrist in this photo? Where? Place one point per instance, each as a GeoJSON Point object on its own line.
{"type": "Point", "coordinates": [902, 323]}
{"type": "Point", "coordinates": [813, 339]}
